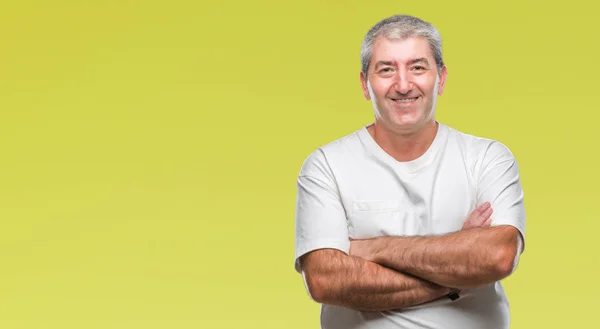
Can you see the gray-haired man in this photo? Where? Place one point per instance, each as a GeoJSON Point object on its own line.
{"type": "Point", "coordinates": [406, 222]}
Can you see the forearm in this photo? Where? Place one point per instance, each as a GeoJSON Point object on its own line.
{"type": "Point", "coordinates": [464, 259]}
{"type": "Point", "coordinates": [358, 284]}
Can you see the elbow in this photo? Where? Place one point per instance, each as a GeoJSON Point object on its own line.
{"type": "Point", "coordinates": [504, 264]}
{"type": "Point", "coordinates": [507, 253]}
{"type": "Point", "coordinates": [316, 286]}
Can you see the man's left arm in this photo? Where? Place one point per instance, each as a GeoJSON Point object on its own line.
{"type": "Point", "coordinates": [472, 257]}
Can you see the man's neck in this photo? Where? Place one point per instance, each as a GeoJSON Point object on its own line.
{"type": "Point", "coordinates": [404, 147]}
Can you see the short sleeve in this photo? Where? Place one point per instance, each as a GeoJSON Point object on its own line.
{"type": "Point", "coordinates": [320, 220]}
{"type": "Point", "coordinates": [499, 183]}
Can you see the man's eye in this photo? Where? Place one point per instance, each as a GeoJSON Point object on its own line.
{"type": "Point", "coordinates": [386, 70]}
{"type": "Point", "coordinates": [418, 68]}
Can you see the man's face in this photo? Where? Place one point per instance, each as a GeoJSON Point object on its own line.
{"type": "Point", "coordinates": [403, 83]}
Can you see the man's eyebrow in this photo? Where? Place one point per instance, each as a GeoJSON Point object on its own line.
{"type": "Point", "coordinates": [421, 60]}
{"type": "Point", "coordinates": [389, 63]}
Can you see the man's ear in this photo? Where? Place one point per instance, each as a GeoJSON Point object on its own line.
{"type": "Point", "coordinates": [442, 80]}
{"type": "Point", "coordinates": [365, 86]}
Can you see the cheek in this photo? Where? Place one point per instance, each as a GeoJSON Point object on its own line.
{"type": "Point", "coordinates": [380, 94]}
{"type": "Point", "coordinates": [427, 86]}
{"type": "Point", "coordinates": [379, 88]}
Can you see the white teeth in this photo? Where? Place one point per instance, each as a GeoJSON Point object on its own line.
{"type": "Point", "coordinates": [406, 100]}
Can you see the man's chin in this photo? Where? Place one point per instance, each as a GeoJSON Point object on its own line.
{"type": "Point", "coordinates": [406, 125]}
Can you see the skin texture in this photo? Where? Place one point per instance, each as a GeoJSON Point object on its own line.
{"type": "Point", "coordinates": [332, 277]}
{"type": "Point", "coordinates": [473, 257]}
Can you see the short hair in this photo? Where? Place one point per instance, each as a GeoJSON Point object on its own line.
{"type": "Point", "coordinates": [401, 27]}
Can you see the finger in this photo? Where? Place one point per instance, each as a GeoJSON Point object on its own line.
{"type": "Point", "coordinates": [487, 213]}
{"type": "Point", "coordinates": [480, 221]}
{"type": "Point", "coordinates": [480, 215]}
{"type": "Point", "coordinates": [487, 222]}
{"type": "Point", "coordinates": [484, 206]}
{"type": "Point", "coordinates": [480, 209]}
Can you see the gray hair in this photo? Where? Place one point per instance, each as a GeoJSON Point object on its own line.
{"type": "Point", "coordinates": [401, 27]}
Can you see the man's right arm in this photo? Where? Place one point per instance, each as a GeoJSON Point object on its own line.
{"type": "Point", "coordinates": [334, 278]}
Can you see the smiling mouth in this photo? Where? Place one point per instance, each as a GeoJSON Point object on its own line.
{"type": "Point", "coordinates": [405, 100]}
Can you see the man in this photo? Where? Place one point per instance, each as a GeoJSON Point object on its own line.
{"type": "Point", "coordinates": [408, 223]}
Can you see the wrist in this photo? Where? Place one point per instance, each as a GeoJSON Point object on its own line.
{"type": "Point", "coordinates": [376, 250]}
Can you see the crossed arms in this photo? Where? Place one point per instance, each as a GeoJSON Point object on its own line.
{"type": "Point", "coordinates": [396, 272]}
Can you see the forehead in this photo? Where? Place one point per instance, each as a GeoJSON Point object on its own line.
{"type": "Point", "coordinates": [401, 50]}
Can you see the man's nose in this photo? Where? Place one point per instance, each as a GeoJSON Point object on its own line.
{"type": "Point", "coordinates": [403, 83]}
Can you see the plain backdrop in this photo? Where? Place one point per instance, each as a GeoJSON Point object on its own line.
{"type": "Point", "coordinates": [149, 151]}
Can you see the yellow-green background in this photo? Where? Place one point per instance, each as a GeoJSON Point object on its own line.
{"type": "Point", "coordinates": [149, 151]}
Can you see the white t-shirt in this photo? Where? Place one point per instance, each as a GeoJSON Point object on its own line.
{"type": "Point", "coordinates": [352, 189]}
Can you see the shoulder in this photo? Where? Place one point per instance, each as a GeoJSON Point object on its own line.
{"type": "Point", "coordinates": [479, 149]}
{"type": "Point", "coordinates": [320, 160]}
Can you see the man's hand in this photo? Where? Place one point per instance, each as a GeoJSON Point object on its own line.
{"type": "Point", "coordinates": [480, 217]}
{"type": "Point", "coordinates": [474, 256]}
{"type": "Point", "coordinates": [362, 249]}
